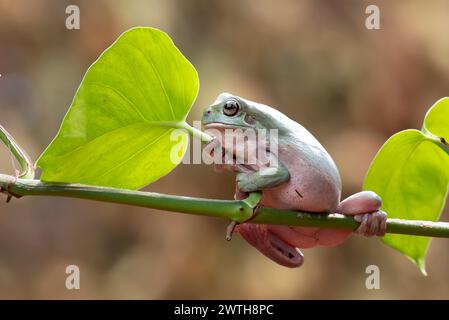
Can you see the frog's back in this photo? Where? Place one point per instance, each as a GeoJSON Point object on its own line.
{"type": "Point", "coordinates": [314, 183]}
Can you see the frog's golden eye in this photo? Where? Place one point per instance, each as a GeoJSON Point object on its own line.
{"type": "Point", "coordinates": [231, 108]}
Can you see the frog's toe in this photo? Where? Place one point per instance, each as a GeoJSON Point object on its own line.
{"type": "Point", "coordinates": [372, 224]}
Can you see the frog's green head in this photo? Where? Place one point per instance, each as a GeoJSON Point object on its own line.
{"type": "Point", "coordinates": [230, 111]}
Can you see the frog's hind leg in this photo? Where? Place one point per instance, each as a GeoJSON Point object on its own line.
{"type": "Point", "coordinates": [271, 245]}
{"type": "Point", "coordinates": [365, 207]}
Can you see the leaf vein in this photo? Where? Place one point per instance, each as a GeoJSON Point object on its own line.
{"type": "Point", "coordinates": [134, 154]}
{"type": "Point", "coordinates": [150, 61]}
{"type": "Point", "coordinates": [132, 104]}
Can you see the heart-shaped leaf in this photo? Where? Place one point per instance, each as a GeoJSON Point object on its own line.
{"type": "Point", "coordinates": [410, 174]}
{"type": "Point", "coordinates": [117, 130]}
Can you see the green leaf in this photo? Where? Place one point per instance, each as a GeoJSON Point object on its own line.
{"type": "Point", "coordinates": [436, 120]}
{"type": "Point", "coordinates": [117, 130]}
{"type": "Point", "coordinates": [410, 174]}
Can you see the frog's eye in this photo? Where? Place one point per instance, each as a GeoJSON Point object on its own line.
{"type": "Point", "coordinates": [231, 108]}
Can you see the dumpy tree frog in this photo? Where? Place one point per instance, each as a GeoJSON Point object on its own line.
{"type": "Point", "coordinates": [302, 177]}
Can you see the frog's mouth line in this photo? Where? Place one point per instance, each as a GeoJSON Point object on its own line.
{"type": "Point", "coordinates": [219, 125]}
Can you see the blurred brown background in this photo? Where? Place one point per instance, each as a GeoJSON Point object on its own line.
{"type": "Point", "coordinates": [313, 60]}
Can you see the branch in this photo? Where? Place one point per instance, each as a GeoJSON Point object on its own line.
{"type": "Point", "coordinates": [235, 210]}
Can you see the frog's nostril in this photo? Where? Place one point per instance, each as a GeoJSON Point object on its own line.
{"type": "Point", "coordinates": [208, 111]}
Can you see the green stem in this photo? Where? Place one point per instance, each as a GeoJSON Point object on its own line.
{"type": "Point", "coordinates": [202, 136]}
{"type": "Point", "coordinates": [236, 210]}
{"type": "Point", "coordinates": [25, 163]}
{"type": "Point", "coordinates": [439, 141]}
{"type": "Point", "coordinates": [196, 133]}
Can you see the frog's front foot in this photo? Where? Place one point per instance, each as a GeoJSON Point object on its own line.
{"type": "Point", "coordinates": [372, 224]}
{"type": "Point", "coordinates": [245, 183]}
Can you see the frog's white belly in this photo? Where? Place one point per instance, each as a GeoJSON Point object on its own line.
{"type": "Point", "coordinates": [314, 183]}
